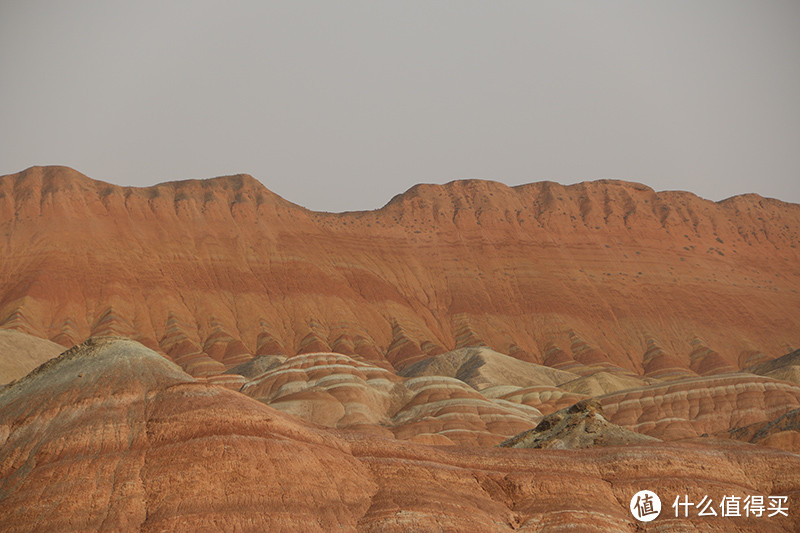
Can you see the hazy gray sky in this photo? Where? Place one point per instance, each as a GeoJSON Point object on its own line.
{"type": "Point", "coordinates": [341, 105]}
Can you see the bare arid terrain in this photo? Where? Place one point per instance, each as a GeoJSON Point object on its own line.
{"type": "Point", "coordinates": [470, 357]}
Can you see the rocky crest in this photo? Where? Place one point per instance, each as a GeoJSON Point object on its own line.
{"type": "Point", "coordinates": [582, 425]}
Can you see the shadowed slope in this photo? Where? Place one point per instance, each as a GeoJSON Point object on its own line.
{"type": "Point", "coordinates": [783, 432]}
{"type": "Point", "coordinates": [786, 367]}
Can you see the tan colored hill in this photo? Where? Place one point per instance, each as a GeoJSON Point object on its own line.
{"type": "Point", "coordinates": [110, 436]}
{"type": "Point", "coordinates": [482, 368]}
{"type": "Point", "coordinates": [20, 353]}
{"type": "Point", "coordinates": [338, 391]}
{"type": "Point", "coordinates": [601, 275]}
{"type": "Point", "coordinates": [475, 396]}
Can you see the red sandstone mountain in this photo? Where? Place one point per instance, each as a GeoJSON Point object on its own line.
{"type": "Point", "coordinates": [461, 314]}
{"type": "Point", "coordinates": [213, 272]}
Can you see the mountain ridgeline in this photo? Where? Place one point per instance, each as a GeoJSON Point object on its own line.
{"type": "Point", "coordinates": [214, 272]}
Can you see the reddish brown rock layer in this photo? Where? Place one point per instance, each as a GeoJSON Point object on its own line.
{"type": "Point", "coordinates": [125, 441]}
{"type": "Point", "coordinates": [212, 272]}
{"type": "Point", "coordinates": [693, 407]}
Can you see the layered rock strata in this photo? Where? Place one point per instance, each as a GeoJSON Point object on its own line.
{"type": "Point", "coordinates": [214, 272]}
{"type": "Point", "coordinates": [110, 436]}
